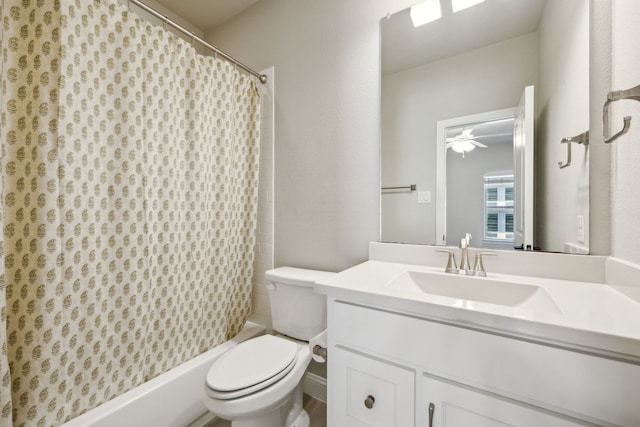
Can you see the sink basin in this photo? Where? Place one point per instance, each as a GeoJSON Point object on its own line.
{"type": "Point", "coordinates": [483, 290]}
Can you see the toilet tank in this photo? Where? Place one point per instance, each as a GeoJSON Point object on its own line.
{"type": "Point", "coordinates": [296, 310]}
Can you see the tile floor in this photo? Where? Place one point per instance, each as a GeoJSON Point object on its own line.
{"type": "Point", "coordinates": [317, 412]}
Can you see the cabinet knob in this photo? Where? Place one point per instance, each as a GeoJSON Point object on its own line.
{"type": "Point", "coordinates": [369, 401]}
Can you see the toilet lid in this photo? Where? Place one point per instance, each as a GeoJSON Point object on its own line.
{"type": "Point", "coordinates": [251, 366]}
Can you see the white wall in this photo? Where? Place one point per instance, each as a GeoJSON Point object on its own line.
{"type": "Point", "coordinates": [486, 79]}
{"type": "Point", "coordinates": [261, 312]}
{"type": "Point", "coordinates": [625, 161]}
{"type": "Point", "coordinates": [563, 111]}
{"type": "Point", "coordinates": [327, 121]}
{"type": "Point", "coordinates": [600, 154]}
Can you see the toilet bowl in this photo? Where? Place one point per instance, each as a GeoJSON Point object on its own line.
{"type": "Point", "coordinates": [240, 389]}
{"type": "Point", "coordinates": [258, 382]}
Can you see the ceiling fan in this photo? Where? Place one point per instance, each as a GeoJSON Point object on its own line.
{"type": "Point", "coordinates": [464, 142]}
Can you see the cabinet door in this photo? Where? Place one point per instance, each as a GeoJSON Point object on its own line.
{"type": "Point", "coordinates": [369, 392]}
{"type": "Point", "coordinates": [458, 406]}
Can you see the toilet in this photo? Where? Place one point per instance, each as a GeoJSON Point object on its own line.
{"type": "Point", "coordinates": [258, 382]}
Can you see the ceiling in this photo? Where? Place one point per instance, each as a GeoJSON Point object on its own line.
{"type": "Point", "coordinates": [404, 46]}
{"type": "Point", "coordinates": [206, 14]}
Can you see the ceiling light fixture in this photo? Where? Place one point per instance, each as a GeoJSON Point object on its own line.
{"type": "Point", "coordinates": [464, 142]}
{"type": "Point", "coordinates": [462, 147]}
{"type": "Point", "coordinates": [425, 12]}
{"type": "Point", "coordinates": [459, 5]}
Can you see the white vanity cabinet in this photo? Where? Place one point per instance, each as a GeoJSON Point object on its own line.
{"type": "Point", "coordinates": [453, 405]}
{"type": "Point", "coordinates": [404, 362]}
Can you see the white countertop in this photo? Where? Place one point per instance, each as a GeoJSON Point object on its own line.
{"type": "Point", "coordinates": [592, 318]}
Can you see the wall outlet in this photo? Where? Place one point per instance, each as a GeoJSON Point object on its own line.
{"type": "Point", "coordinates": [580, 235]}
{"type": "Point", "coordinates": [424, 196]}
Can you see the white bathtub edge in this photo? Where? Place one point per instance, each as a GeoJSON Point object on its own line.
{"type": "Point", "coordinates": [169, 400]}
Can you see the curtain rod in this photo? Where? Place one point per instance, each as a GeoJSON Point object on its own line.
{"type": "Point", "coordinates": [167, 20]}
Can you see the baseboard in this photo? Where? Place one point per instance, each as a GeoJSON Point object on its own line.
{"type": "Point", "coordinates": [315, 386]}
{"type": "Point", "coordinates": [204, 420]}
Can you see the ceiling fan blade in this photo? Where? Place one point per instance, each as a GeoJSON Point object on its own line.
{"type": "Point", "coordinates": [462, 136]}
{"type": "Point", "coordinates": [494, 135]}
{"type": "Point", "coordinates": [477, 144]}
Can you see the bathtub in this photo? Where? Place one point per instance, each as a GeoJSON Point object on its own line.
{"type": "Point", "coordinates": [172, 399]}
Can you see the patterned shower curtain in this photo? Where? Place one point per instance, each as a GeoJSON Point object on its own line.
{"type": "Point", "coordinates": [128, 205]}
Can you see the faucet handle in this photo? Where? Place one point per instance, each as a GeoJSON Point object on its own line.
{"type": "Point", "coordinates": [452, 266]}
{"type": "Point", "coordinates": [478, 266]}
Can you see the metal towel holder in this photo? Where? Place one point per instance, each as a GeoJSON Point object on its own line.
{"type": "Point", "coordinates": [583, 139]}
{"type": "Point", "coordinates": [411, 187]}
{"type": "Point", "coordinates": [618, 95]}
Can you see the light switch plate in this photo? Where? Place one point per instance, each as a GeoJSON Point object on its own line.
{"type": "Point", "coordinates": [424, 196]}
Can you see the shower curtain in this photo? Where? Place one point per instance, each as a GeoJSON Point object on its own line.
{"type": "Point", "coordinates": [128, 204]}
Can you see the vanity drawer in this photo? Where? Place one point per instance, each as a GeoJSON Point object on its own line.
{"type": "Point", "coordinates": [371, 392]}
{"type": "Point", "coordinates": [383, 334]}
{"type": "Point", "coordinates": [579, 385]}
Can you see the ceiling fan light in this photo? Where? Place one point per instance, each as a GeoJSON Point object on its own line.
{"type": "Point", "coordinates": [425, 12]}
{"type": "Point", "coordinates": [459, 5]}
{"type": "Point", "coordinates": [462, 147]}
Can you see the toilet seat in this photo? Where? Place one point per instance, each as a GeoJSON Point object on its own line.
{"type": "Point", "coordinates": [251, 366]}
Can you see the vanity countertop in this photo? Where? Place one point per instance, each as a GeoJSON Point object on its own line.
{"type": "Point", "coordinates": [589, 317]}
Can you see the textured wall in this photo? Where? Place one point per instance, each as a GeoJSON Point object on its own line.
{"type": "Point", "coordinates": [264, 240]}
{"type": "Point", "coordinates": [600, 154]}
{"type": "Point", "coordinates": [625, 161]}
{"type": "Point", "coordinates": [563, 111]}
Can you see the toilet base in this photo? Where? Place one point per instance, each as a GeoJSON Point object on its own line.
{"type": "Point", "coordinates": [302, 420]}
{"type": "Point", "coordinates": [290, 414]}
{"type": "Point", "coordinates": [274, 420]}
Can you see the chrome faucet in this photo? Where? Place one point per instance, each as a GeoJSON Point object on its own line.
{"type": "Point", "coordinates": [478, 265]}
{"type": "Point", "coordinates": [465, 266]}
{"type": "Point", "coordinates": [452, 266]}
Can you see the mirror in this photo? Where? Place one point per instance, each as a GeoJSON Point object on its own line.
{"type": "Point", "coordinates": [461, 67]}
{"type": "Point", "coordinates": [475, 161]}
